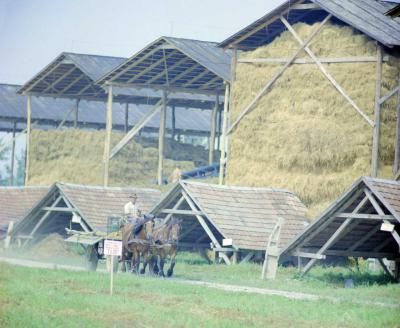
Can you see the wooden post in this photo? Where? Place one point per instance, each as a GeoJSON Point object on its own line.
{"type": "Point", "coordinates": [223, 139]}
{"type": "Point", "coordinates": [108, 136]}
{"type": "Point", "coordinates": [126, 125]}
{"type": "Point", "coordinates": [161, 139]}
{"type": "Point", "coordinates": [13, 154]}
{"type": "Point", "coordinates": [377, 127]}
{"type": "Point", "coordinates": [397, 143]}
{"type": "Point", "coordinates": [219, 129]}
{"type": "Point", "coordinates": [76, 116]}
{"type": "Point", "coordinates": [173, 123]}
{"type": "Point", "coordinates": [28, 136]}
{"type": "Point", "coordinates": [213, 131]}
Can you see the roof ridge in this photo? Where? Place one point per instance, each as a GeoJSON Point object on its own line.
{"type": "Point", "coordinates": [10, 84]}
{"type": "Point", "coordinates": [24, 187]}
{"type": "Point", "coordinates": [188, 39]}
{"type": "Point", "coordinates": [92, 55]}
{"type": "Point", "coordinates": [73, 185]}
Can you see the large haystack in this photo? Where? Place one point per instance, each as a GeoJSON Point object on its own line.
{"type": "Point", "coordinates": [303, 135]}
{"type": "Point", "coordinates": [76, 156]}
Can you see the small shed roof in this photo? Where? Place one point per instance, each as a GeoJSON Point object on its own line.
{"type": "Point", "coordinates": [365, 206]}
{"type": "Point", "coordinates": [176, 64]}
{"type": "Point", "coordinates": [15, 202]}
{"type": "Point", "coordinates": [245, 215]}
{"type": "Point", "coordinates": [367, 16]}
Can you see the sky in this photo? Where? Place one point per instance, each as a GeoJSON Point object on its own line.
{"type": "Point", "coordinates": [34, 32]}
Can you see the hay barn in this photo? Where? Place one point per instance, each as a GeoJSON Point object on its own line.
{"type": "Point", "coordinates": [315, 98]}
{"type": "Point", "coordinates": [236, 221]}
{"type": "Point", "coordinates": [363, 222]}
{"type": "Point", "coordinates": [77, 207]}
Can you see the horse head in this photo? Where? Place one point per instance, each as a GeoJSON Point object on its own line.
{"type": "Point", "coordinates": [174, 230]}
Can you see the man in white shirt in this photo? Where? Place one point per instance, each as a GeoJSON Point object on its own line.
{"type": "Point", "coordinates": [130, 209]}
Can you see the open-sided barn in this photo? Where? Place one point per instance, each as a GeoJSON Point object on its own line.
{"type": "Point", "coordinates": [363, 222]}
{"type": "Point", "coordinates": [233, 220]}
{"type": "Point", "coordinates": [315, 100]}
{"type": "Point", "coordinates": [78, 207]}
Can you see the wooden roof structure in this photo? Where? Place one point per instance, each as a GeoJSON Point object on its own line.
{"type": "Point", "coordinates": [15, 202]}
{"type": "Point", "coordinates": [214, 213]}
{"type": "Point", "coordinates": [92, 204]}
{"type": "Point", "coordinates": [363, 222]}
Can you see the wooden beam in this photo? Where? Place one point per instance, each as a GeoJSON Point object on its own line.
{"type": "Point", "coordinates": [161, 139]}
{"type": "Point", "coordinates": [51, 86]}
{"type": "Point", "coordinates": [271, 82]}
{"type": "Point", "coordinates": [13, 154]}
{"type": "Point", "coordinates": [248, 257]}
{"type": "Point", "coordinates": [139, 125]}
{"type": "Point", "coordinates": [366, 237]}
{"type": "Point", "coordinates": [196, 78]}
{"type": "Point", "coordinates": [389, 95]}
{"type": "Point", "coordinates": [184, 73]}
{"type": "Point", "coordinates": [213, 131]}
{"type": "Point", "coordinates": [59, 209]}
{"type": "Point", "coordinates": [76, 116]}
{"type": "Point", "coordinates": [327, 74]}
{"type": "Point", "coordinates": [385, 268]}
{"type": "Point", "coordinates": [396, 164]}
{"type": "Point", "coordinates": [309, 255]}
{"type": "Point", "coordinates": [172, 67]}
{"type": "Point", "coordinates": [176, 206]}
{"type": "Point", "coordinates": [222, 160]}
{"type": "Point", "coordinates": [126, 122]}
{"type": "Point", "coordinates": [180, 212]}
{"type": "Point", "coordinates": [107, 142]}
{"type": "Point", "coordinates": [364, 216]}
{"type": "Point", "coordinates": [325, 60]}
{"type": "Point", "coordinates": [304, 6]}
{"type": "Point", "coordinates": [377, 127]}
{"type": "Point", "coordinates": [65, 118]}
{"type": "Point", "coordinates": [336, 235]}
{"type": "Point", "coordinates": [28, 137]}
{"type": "Point", "coordinates": [189, 230]}
{"type": "Point", "coordinates": [205, 226]}
{"type": "Point", "coordinates": [363, 254]}
{"type": "Point", "coordinates": [80, 77]}
{"type": "Point", "coordinates": [173, 122]}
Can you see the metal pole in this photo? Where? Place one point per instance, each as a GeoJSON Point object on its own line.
{"type": "Point", "coordinates": [161, 139]}
{"type": "Point", "coordinates": [108, 136]}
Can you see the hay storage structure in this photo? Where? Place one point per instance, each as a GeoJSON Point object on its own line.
{"type": "Point", "coordinates": [363, 222]}
{"type": "Point", "coordinates": [314, 119]}
{"type": "Point", "coordinates": [235, 222]}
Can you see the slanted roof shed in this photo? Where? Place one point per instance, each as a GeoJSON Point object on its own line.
{"type": "Point", "coordinates": [245, 215]}
{"type": "Point", "coordinates": [352, 225]}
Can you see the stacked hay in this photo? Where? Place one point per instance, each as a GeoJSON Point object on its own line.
{"type": "Point", "coordinates": [303, 135]}
{"type": "Point", "coordinates": [76, 156]}
{"type": "Point", "coordinates": [52, 245]}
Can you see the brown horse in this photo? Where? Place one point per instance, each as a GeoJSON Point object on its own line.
{"type": "Point", "coordinates": [165, 238]}
{"type": "Point", "coordinates": [138, 243]}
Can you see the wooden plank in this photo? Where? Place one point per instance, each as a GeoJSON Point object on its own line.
{"type": "Point", "coordinates": [377, 127]}
{"type": "Point", "coordinates": [176, 206]}
{"type": "Point", "coordinates": [324, 60]}
{"type": "Point", "coordinates": [161, 139]}
{"type": "Point", "coordinates": [385, 268]}
{"type": "Point", "coordinates": [363, 216]}
{"type": "Point", "coordinates": [305, 6]}
{"type": "Point", "coordinates": [248, 257]}
{"type": "Point", "coordinates": [327, 74]}
{"type": "Point", "coordinates": [363, 254]}
{"type": "Point", "coordinates": [224, 134]}
{"type": "Point", "coordinates": [65, 118]}
{"type": "Point", "coordinates": [389, 95]}
{"type": "Point", "coordinates": [337, 234]}
{"type": "Point", "coordinates": [107, 141]}
{"type": "Point", "coordinates": [173, 122]}
{"type": "Point", "coordinates": [270, 83]}
{"type": "Point", "coordinates": [181, 212]}
{"type": "Point", "coordinates": [12, 157]}
{"type": "Point", "coordinates": [126, 121]}
{"type": "Point", "coordinates": [309, 255]}
{"type": "Point", "coordinates": [59, 209]}
{"type": "Point", "coordinates": [213, 130]}
{"type": "Point", "coordinates": [76, 116]}
{"type": "Point", "coordinates": [28, 137]}
{"type": "Point", "coordinates": [139, 125]}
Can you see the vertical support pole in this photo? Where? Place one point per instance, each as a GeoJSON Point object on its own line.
{"type": "Point", "coordinates": [223, 139]}
{"type": "Point", "coordinates": [396, 167]}
{"type": "Point", "coordinates": [28, 136]}
{"type": "Point", "coordinates": [173, 123]}
{"type": "Point", "coordinates": [126, 125]}
{"type": "Point", "coordinates": [13, 154]}
{"type": "Point", "coordinates": [377, 127]}
{"type": "Point", "coordinates": [213, 131]}
{"type": "Point", "coordinates": [107, 141]}
{"type": "Point", "coordinates": [161, 139]}
{"type": "Point", "coordinates": [76, 113]}
{"type": "Point", "coordinates": [219, 129]}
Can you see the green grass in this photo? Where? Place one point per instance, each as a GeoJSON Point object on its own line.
{"type": "Point", "coordinates": [57, 298]}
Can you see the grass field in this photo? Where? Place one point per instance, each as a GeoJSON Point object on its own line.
{"type": "Point", "coordinates": [57, 298]}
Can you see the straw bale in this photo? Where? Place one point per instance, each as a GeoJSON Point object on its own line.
{"type": "Point", "coordinates": [303, 135]}
{"type": "Point", "coordinates": [76, 156]}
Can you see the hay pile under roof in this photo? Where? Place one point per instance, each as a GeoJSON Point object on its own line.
{"type": "Point", "coordinates": [303, 135]}
{"type": "Point", "coordinates": [76, 156]}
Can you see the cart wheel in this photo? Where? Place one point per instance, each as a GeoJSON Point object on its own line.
{"type": "Point", "coordinates": [92, 258]}
{"type": "Point", "coordinates": [115, 264]}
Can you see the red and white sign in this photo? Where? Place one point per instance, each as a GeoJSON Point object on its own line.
{"type": "Point", "coordinates": [112, 247]}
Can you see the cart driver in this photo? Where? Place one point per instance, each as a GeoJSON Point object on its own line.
{"type": "Point", "coordinates": [131, 210]}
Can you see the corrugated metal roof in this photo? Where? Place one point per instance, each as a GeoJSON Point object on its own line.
{"type": "Point", "coordinates": [15, 202]}
{"type": "Point", "coordinates": [246, 215]}
{"type": "Point", "coordinates": [47, 110]}
{"type": "Point", "coordinates": [387, 194]}
{"type": "Point", "coordinates": [368, 16]}
{"type": "Point", "coordinates": [175, 63]}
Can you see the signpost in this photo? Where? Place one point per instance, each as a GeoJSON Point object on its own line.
{"type": "Point", "coordinates": [112, 248]}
